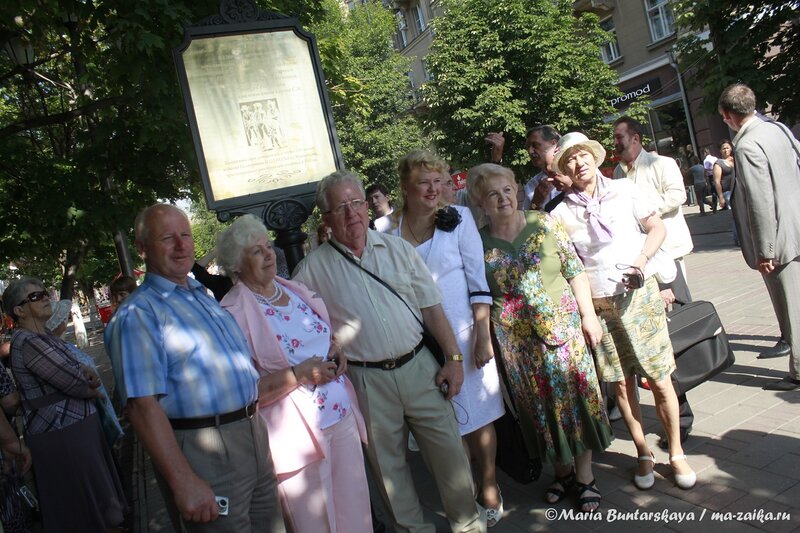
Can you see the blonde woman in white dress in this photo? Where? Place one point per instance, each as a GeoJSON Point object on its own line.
{"type": "Point", "coordinates": [449, 243]}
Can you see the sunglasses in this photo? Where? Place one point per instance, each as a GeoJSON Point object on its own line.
{"type": "Point", "coordinates": [35, 297]}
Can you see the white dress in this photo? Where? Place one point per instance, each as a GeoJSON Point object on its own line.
{"type": "Point", "coordinates": [455, 260]}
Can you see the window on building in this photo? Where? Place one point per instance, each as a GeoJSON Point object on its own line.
{"type": "Point", "coordinates": [419, 16]}
{"type": "Point", "coordinates": [426, 74]}
{"type": "Point", "coordinates": [413, 86]}
{"type": "Point", "coordinates": [610, 50]}
{"type": "Point", "coordinates": [402, 29]}
{"type": "Point", "coordinates": [659, 15]}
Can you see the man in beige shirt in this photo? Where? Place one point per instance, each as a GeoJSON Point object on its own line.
{"type": "Point", "coordinates": [395, 376]}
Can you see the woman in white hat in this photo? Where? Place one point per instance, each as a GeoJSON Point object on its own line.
{"type": "Point", "coordinates": [618, 235]}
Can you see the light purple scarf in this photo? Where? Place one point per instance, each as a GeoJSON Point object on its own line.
{"type": "Point", "coordinates": [601, 227]}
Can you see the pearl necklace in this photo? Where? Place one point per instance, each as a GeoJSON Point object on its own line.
{"type": "Point", "coordinates": [276, 295]}
{"type": "Point", "coordinates": [272, 300]}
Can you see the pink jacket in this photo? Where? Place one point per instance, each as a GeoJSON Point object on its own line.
{"type": "Point", "coordinates": [294, 437]}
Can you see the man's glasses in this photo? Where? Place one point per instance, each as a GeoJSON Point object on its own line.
{"type": "Point", "coordinates": [355, 205]}
{"type": "Point", "coordinates": [35, 297]}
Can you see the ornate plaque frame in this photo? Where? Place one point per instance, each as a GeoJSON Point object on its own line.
{"type": "Point", "coordinates": [259, 113]}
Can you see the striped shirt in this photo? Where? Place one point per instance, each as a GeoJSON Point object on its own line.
{"type": "Point", "coordinates": [44, 367]}
{"type": "Point", "coordinates": [178, 344]}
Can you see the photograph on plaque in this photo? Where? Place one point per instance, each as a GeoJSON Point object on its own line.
{"type": "Point", "coordinates": [260, 117]}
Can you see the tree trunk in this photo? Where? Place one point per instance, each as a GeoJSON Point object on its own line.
{"type": "Point", "coordinates": [74, 259]}
{"type": "Point", "coordinates": [91, 307]}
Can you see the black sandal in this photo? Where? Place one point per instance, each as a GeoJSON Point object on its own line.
{"type": "Point", "coordinates": [560, 493]}
{"type": "Point", "coordinates": [583, 488]}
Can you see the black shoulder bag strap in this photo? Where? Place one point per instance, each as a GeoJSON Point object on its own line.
{"type": "Point", "coordinates": [427, 337]}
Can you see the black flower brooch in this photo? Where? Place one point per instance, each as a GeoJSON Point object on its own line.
{"type": "Point", "coordinates": [447, 218]}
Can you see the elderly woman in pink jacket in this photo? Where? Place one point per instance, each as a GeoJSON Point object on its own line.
{"type": "Point", "coordinates": [315, 427]}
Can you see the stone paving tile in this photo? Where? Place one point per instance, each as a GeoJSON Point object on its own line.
{"type": "Point", "coordinates": [786, 465]}
{"type": "Point", "coordinates": [757, 482]}
{"type": "Point", "coordinates": [790, 496]}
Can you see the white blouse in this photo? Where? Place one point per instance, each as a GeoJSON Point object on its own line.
{"type": "Point", "coordinates": [605, 263]}
{"type": "Point", "coordinates": [302, 334]}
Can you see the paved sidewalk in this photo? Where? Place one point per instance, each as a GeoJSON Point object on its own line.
{"type": "Point", "coordinates": [745, 445]}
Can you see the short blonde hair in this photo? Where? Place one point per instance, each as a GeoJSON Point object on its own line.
{"type": "Point", "coordinates": [419, 159]}
{"type": "Point", "coordinates": [479, 175]}
{"type": "Point", "coordinates": [232, 241]}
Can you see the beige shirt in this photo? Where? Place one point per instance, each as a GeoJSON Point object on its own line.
{"type": "Point", "coordinates": [660, 180]}
{"type": "Point", "coordinates": [371, 323]}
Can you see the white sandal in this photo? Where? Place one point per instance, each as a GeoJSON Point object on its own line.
{"type": "Point", "coordinates": [648, 480]}
{"type": "Point", "coordinates": [683, 481]}
{"type": "Point", "coordinates": [493, 515]}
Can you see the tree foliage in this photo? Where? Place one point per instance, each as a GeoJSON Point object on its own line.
{"type": "Point", "coordinates": [372, 116]}
{"type": "Point", "coordinates": [101, 102]}
{"type": "Point", "coordinates": [757, 43]}
{"type": "Point", "coordinates": [504, 65]}
{"type": "Point", "coordinates": [205, 228]}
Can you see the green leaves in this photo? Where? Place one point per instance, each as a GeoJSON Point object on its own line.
{"type": "Point", "coordinates": [503, 65]}
{"type": "Point", "coordinates": [736, 41]}
{"type": "Point", "coordinates": [369, 88]}
{"type": "Point", "coordinates": [104, 103]}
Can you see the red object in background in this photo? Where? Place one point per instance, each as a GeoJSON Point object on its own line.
{"type": "Point", "coordinates": [105, 313]}
{"type": "Point", "coordinates": [459, 180]}
{"type": "Point", "coordinates": [607, 172]}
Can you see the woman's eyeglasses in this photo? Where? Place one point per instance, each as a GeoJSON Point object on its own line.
{"type": "Point", "coordinates": [35, 297]}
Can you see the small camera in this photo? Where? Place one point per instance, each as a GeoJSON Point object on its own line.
{"type": "Point", "coordinates": [444, 388]}
{"type": "Point", "coordinates": [27, 495]}
{"type": "Point", "coordinates": [222, 505]}
{"type": "Point", "coordinates": [633, 280]}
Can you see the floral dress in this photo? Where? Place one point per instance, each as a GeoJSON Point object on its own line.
{"type": "Point", "coordinates": [538, 327]}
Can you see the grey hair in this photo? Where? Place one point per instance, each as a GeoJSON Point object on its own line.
{"type": "Point", "coordinates": [335, 178]}
{"type": "Point", "coordinates": [17, 291]}
{"type": "Point", "coordinates": [140, 229]}
{"type": "Point", "coordinates": [232, 241]}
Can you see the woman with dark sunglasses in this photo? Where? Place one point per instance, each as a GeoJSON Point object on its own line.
{"type": "Point", "coordinates": [79, 488]}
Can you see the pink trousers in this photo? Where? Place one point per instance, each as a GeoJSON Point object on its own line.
{"type": "Point", "coordinates": [329, 495]}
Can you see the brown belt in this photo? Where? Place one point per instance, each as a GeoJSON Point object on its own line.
{"type": "Point", "coordinates": [391, 364]}
{"type": "Point", "coordinates": [217, 420]}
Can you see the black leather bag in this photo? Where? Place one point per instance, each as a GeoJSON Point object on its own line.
{"type": "Point", "coordinates": [700, 344]}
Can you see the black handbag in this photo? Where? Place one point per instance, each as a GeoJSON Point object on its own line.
{"type": "Point", "coordinates": [700, 345]}
{"type": "Point", "coordinates": [427, 337]}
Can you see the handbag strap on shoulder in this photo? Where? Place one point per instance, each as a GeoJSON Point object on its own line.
{"type": "Point", "coordinates": [379, 280]}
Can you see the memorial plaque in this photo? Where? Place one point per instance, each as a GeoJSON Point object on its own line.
{"type": "Point", "coordinates": [260, 118]}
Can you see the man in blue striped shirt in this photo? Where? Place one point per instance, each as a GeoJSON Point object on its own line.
{"type": "Point", "coordinates": [183, 370]}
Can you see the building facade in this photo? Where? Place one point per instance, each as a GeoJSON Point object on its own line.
{"type": "Point", "coordinates": [640, 51]}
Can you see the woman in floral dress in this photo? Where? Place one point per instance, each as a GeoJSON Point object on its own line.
{"type": "Point", "coordinates": [543, 317]}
